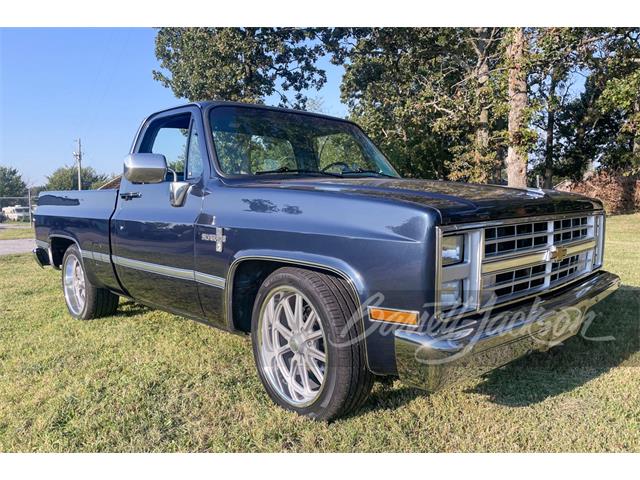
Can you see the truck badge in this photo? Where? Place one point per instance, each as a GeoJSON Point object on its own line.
{"type": "Point", "coordinates": [556, 254]}
{"type": "Point", "coordinates": [219, 238]}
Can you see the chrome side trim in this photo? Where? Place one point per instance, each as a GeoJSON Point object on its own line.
{"type": "Point", "coordinates": [96, 256]}
{"type": "Point", "coordinates": [211, 280]}
{"type": "Point", "coordinates": [101, 257]}
{"type": "Point", "coordinates": [173, 272]}
{"type": "Point", "coordinates": [154, 268]}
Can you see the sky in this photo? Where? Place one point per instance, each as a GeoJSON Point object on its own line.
{"type": "Point", "coordinates": [57, 85]}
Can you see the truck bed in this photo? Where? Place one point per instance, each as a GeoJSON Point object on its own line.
{"type": "Point", "coordinates": [82, 217]}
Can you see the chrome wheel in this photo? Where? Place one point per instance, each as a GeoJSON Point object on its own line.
{"type": "Point", "coordinates": [74, 285]}
{"type": "Point", "coordinates": [292, 346]}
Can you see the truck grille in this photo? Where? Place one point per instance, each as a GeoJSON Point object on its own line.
{"type": "Point", "coordinates": [521, 259]}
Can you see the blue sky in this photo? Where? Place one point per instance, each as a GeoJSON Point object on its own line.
{"type": "Point", "coordinates": [60, 84]}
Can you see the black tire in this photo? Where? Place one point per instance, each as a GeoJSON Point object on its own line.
{"type": "Point", "coordinates": [347, 382]}
{"type": "Point", "coordinates": [98, 302]}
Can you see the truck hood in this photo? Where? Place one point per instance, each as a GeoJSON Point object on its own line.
{"type": "Point", "coordinates": [455, 202]}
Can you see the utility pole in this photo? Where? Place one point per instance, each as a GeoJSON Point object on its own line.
{"type": "Point", "coordinates": [78, 156]}
{"type": "Point", "coordinates": [30, 212]}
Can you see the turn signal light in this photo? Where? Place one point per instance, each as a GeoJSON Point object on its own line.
{"type": "Point", "coordinates": [393, 316]}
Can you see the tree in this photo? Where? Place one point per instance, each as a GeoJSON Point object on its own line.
{"type": "Point", "coordinates": [11, 183]}
{"type": "Point", "coordinates": [66, 178]}
{"type": "Point", "coordinates": [620, 98]}
{"type": "Point", "coordinates": [516, 161]}
{"type": "Point", "coordinates": [600, 126]}
{"type": "Point", "coordinates": [428, 96]}
{"type": "Point", "coordinates": [239, 64]}
{"type": "Point", "coordinates": [465, 104]}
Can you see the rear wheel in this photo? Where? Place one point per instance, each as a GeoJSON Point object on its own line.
{"type": "Point", "coordinates": [307, 349]}
{"type": "Point", "coordinates": [84, 300]}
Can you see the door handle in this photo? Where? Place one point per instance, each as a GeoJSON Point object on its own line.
{"type": "Point", "coordinates": [130, 195]}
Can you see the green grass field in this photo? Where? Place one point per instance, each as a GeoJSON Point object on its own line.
{"type": "Point", "coordinates": [150, 381]}
{"type": "Point", "coordinates": [15, 233]}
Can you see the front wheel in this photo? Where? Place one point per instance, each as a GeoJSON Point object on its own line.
{"type": "Point", "coordinates": [84, 300]}
{"type": "Point", "coordinates": [307, 348]}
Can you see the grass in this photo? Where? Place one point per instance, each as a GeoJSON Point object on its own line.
{"type": "Point", "coordinates": [16, 233]}
{"type": "Point", "coordinates": [149, 381]}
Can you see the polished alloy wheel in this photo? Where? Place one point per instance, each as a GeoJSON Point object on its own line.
{"type": "Point", "coordinates": [74, 286]}
{"type": "Point", "coordinates": [293, 347]}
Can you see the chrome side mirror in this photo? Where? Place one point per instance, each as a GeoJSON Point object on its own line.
{"type": "Point", "coordinates": [145, 168]}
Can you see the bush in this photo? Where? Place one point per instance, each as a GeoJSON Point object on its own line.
{"type": "Point", "coordinates": [618, 193]}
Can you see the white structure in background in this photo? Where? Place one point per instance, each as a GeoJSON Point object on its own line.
{"type": "Point", "coordinates": [17, 213]}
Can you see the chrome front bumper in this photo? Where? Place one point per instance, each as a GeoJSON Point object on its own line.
{"type": "Point", "coordinates": [472, 347]}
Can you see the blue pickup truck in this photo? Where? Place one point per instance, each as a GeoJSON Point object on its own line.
{"type": "Point", "coordinates": [293, 228]}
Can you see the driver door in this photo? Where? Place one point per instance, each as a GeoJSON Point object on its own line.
{"type": "Point", "coordinates": [153, 241]}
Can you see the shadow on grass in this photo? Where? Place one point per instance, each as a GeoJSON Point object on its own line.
{"type": "Point", "coordinates": [580, 359]}
{"type": "Point", "coordinates": [540, 375]}
{"type": "Point", "coordinates": [129, 308]}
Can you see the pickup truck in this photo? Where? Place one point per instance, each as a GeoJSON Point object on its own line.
{"type": "Point", "coordinates": [293, 228]}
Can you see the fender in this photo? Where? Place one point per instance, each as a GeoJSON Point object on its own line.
{"type": "Point", "coordinates": [335, 265]}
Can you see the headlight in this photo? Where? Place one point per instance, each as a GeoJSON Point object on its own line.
{"type": "Point", "coordinates": [451, 294]}
{"type": "Point", "coordinates": [452, 249]}
{"type": "Point", "coordinates": [458, 274]}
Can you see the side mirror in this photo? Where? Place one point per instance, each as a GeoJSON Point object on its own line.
{"type": "Point", "coordinates": [145, 168]}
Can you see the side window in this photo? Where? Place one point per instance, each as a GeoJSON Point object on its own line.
{"type": "Point", "coordinates": [168, 136]}
{"type": "Point", "coordinates": [195, 167]}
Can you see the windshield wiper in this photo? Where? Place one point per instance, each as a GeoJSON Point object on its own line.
{"type": "Point", "coordinates": [376, 172]}
{"type": "Point", "coordinates": [295, 170]}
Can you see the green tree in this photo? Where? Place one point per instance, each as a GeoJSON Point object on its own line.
{"type": "Point", "coordinates": [11, 183]}
{"type": "Point", "coordinates": [620, 98]}
{"type": "Point", "coordinates": [239, 64]}
{"type": "Point", "coordinates": [66, 178]}
{"type": "Point", "coordinates": [475, 104]}
{"type": "Point", "coordinates": [431, 97]}
{"type": "Point", "coordinates": [600, 126]}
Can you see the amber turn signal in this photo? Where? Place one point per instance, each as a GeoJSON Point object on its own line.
{"type": "Point", "coordinates": [393, 316]}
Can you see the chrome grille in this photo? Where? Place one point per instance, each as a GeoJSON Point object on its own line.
{"type": "Point", "coordinates": [568, 267]}
{"type": "Point", "coordinates": [515, 238]}
{"type": "Point", "coordinates": [518, 259]}
{"type": "Point", "coordinates": [571, 229]}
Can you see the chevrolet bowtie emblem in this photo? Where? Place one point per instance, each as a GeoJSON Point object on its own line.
{"type": "Point", "coordinates": [556, 253]}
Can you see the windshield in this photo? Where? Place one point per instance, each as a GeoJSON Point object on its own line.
{"type": "Point", "coordinates": [254, 141]}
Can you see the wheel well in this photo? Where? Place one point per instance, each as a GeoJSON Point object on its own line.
{"type": "Point", "coordinates": [247, 279]}
{"type": "Point", "coordinates": [59, 245]}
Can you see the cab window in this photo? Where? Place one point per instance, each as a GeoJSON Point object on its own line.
{"type": "Point", "coordinates": [169, 136]}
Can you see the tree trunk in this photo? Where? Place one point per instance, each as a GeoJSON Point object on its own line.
{"type": "Point", "coordinates": [482, 73]}
{"type": "Point", "coordinates": [636, 136]}
{"type": "Point", "coordinates": [516, 155]}
{"type": "Point", "coordinates": [551, 121]}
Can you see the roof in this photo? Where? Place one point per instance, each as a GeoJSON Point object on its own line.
{"type": "Point", "coordinates": [217, 103]}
